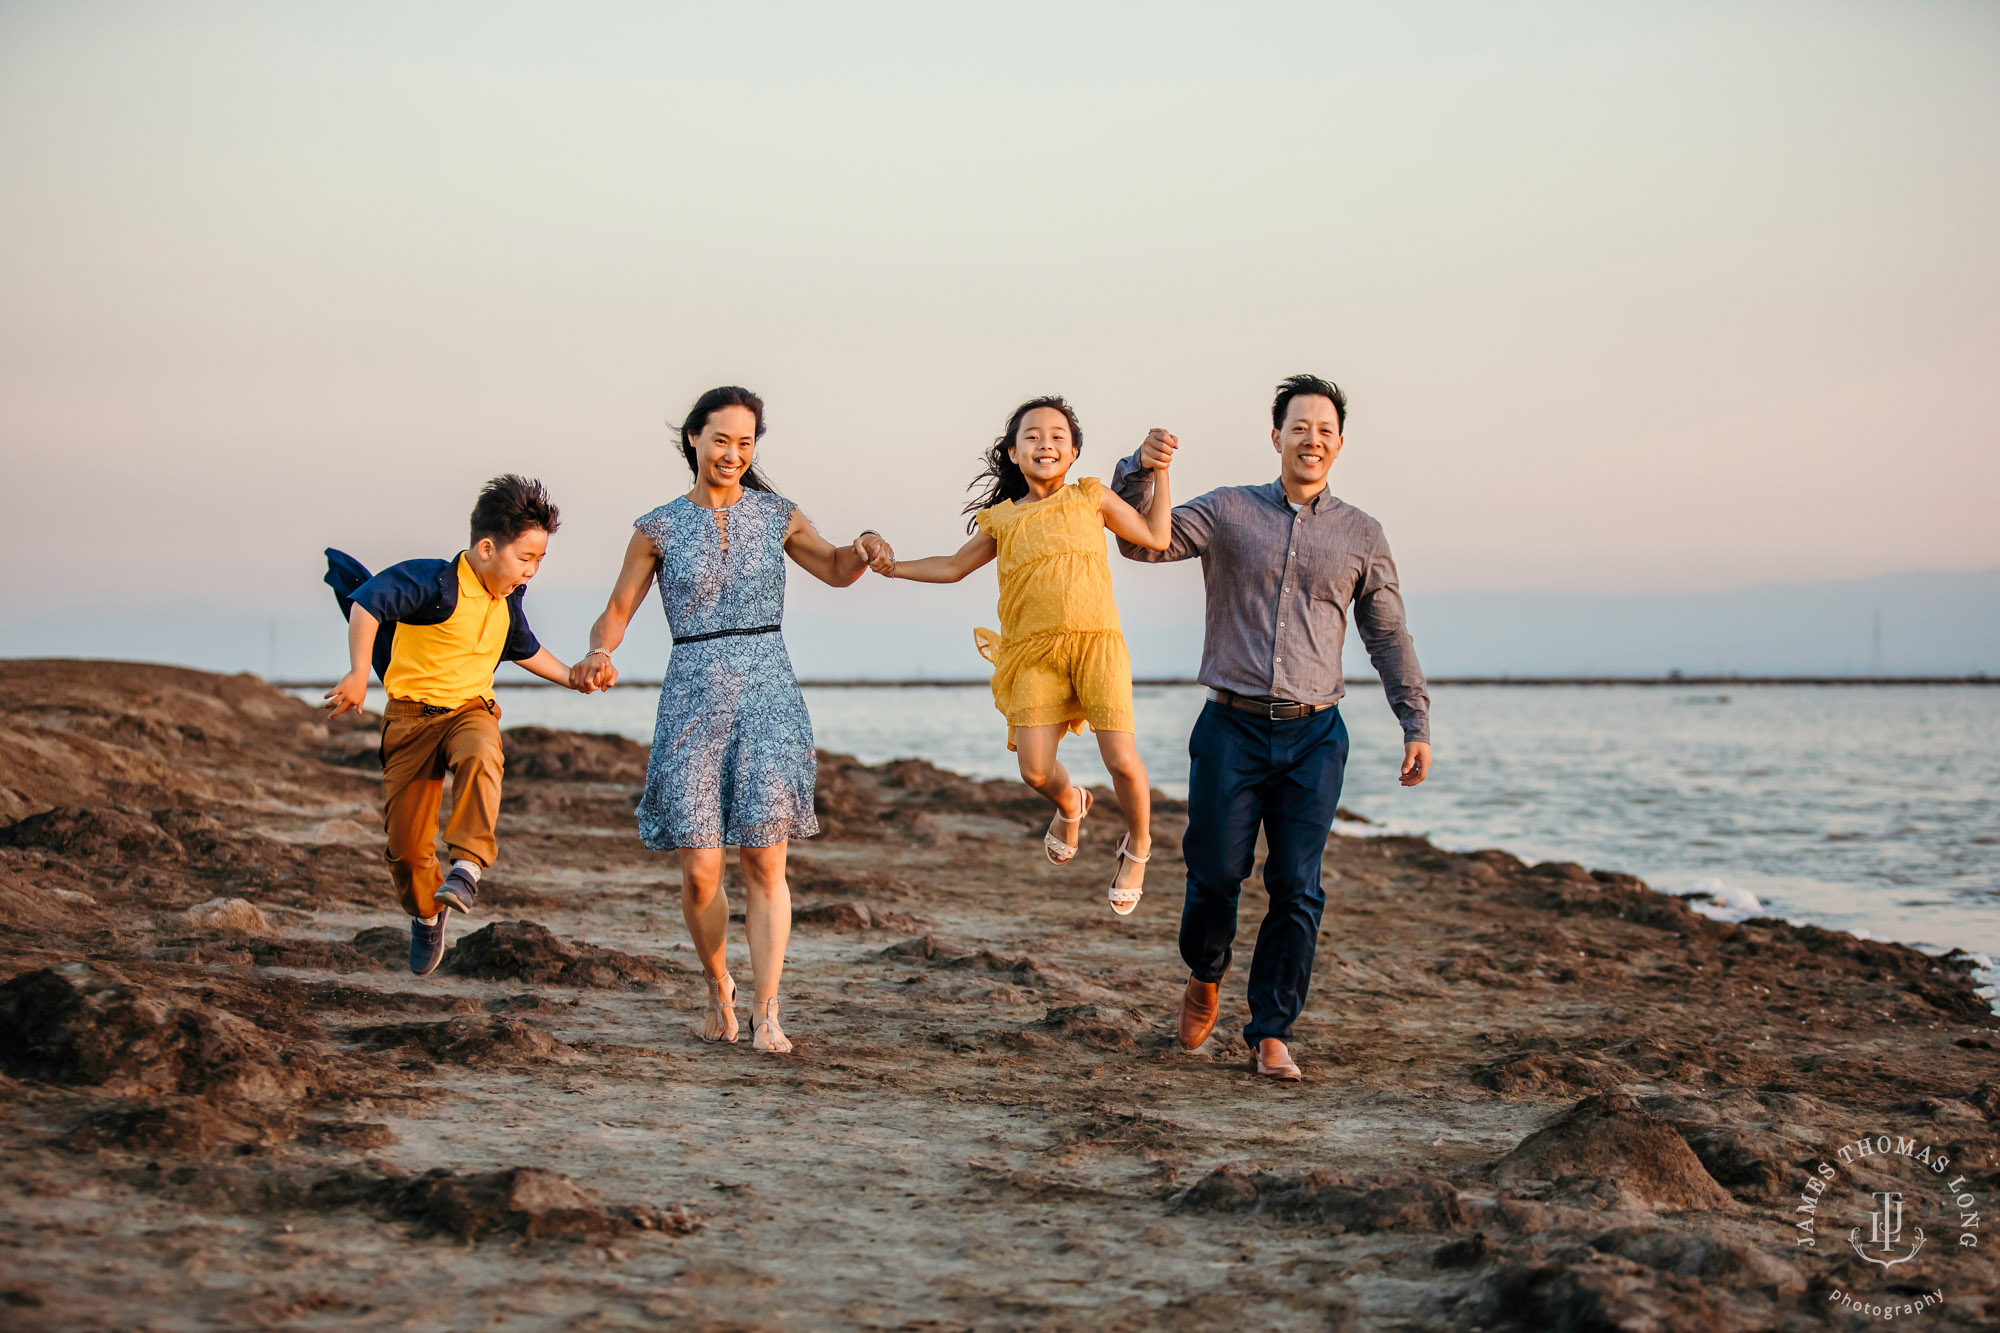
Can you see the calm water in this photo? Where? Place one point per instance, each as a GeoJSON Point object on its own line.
{"type": "Point", "coordinates": [1866, 809]}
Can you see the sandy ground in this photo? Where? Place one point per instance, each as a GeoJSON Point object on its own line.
{"type": "Point", "coordinates": [1537, 1097]}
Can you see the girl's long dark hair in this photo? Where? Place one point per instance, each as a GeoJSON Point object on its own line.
{"type": "Point", "coordinates": [729, 395]}
{"type": "Point", "coordinates": [1002, 478]}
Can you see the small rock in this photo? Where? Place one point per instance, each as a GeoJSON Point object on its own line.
{"type": "Point", "coordinates": [228, 914]}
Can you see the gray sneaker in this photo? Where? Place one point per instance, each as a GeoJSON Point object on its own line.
{"type": "Point", "coordinates": [427, 942]}
{"type": "Point", "coordinates": [459, 891]}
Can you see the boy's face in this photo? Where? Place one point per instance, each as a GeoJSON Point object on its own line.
{"type": "Point", "coordinates": [505, 568]}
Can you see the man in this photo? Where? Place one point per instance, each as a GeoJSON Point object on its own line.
{"type": "Point", "coordinates": [1284, 565]}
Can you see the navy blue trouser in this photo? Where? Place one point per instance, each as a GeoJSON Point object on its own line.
{"type": "Point", "coordinates": [1246, 771]}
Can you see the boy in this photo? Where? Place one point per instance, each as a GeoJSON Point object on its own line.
{"type": "Point", "coordinates": [435, 630]}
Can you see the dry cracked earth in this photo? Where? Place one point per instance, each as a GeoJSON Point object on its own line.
{"type": "Point", "coordinates": [1538, 1097]}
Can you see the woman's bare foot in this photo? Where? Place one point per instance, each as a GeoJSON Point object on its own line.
{"type": "Point", "coordinates": [719, 1023]}
{"type": "Point", "coordinates": [765, 1034]}
{"type": "Point", "coordinates": [1128, 882]}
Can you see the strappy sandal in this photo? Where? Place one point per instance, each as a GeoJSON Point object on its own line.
{"type": "Point", "coordinates": [724, 1011]}
{"type": "Point", "coordinates": [1060, 852]}
{"type": "Point", "coordinates": [765, 1015]}
{"type": "Point", "coordinates": [1123, 900]}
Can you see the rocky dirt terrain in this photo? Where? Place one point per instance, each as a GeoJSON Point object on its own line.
{"type": "Point", "coordinates": [1538, 1097]}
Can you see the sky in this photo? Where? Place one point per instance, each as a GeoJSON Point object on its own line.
{"type": "Point", "coordinates": [1645, 299]}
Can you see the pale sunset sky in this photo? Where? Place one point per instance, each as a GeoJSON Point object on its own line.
{"type": "Point", "coordinates": [1646, 297]}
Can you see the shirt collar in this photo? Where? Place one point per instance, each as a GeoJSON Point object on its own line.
{"type": "Point", "coordinates": [1274, 491]}
{"type": "Point", "coordinates": [468, 582]}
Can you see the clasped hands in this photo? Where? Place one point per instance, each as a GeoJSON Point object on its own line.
{"type": "Point", "coordinates": [595, 670]}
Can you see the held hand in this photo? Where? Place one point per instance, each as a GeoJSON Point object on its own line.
{"type": "Point", "coordinates": [1416, 762]}
{"type": "Point", "coordinates": [593, 672]}
{"type": "Point", "coordinates": [875, 549]}
{"type": "Point", "coordinates": [348, 696]}
{"type": "Point", "coordinates": [1157, 452]}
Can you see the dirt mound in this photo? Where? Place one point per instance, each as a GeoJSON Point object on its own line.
{"type": "Point", "coordinates": [229, 914]}
{"type": "Point", "coordinates": [78, 1024]}
{"type": "Point", "coordinates": [523, 1201]}
{"type": "Point", "coordinates": [1534, 1073]}
{"type": "Point", "coordinates": [95, 833]}
{"type": "Point", "coordinates": [1335, 1200]}
{"type": "Point", "coordinates": [1028, 973]}
{"type": "Point", "coordinates": [807, 875]}
{"type": "Point", "coordinates": [1096, 1025]}
{"type": "Point", "coordinates": [850, 917]}
{"type": "Point", "coordinates": [374, 949]}
{"type": "Point", "coordinates": [572, 756]}
{"type": "Point", "coordinates": [1701, 1253]}
{"type": "Point", "coordinates": [1580, 1289]}
{"type": "Point", "coordinates": [131, 734]}
{"type": "Point", "coordinates": [1606, 1137]}
{"type": "Point", "coordinates": [844, 799]}
{"type": "Point", "coordinates": [525, 951]}
{"type": "Point", "coordinates": [191, 1126]}
{"type": "Point", "coordinates": [926, 948]}
{"type": "Point", "coordinates": [485, 1039]}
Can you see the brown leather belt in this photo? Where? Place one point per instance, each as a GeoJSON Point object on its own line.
{"type": "Point", "coordinates": [1282, 711]}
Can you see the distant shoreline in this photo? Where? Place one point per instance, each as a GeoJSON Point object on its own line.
{"type": "Point", "coordinates": [1539, 682]}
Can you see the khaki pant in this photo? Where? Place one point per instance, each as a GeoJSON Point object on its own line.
{"type": "Point", "coordinates": [417, 751]}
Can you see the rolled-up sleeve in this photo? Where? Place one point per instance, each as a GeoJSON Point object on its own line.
{"type": "Point", "coordinates": [1194, 522]}
{"type": "Point", "coordinates": [1379, 618]}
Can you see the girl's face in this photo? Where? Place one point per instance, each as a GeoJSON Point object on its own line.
{"type": "Point", "coordinates": [722, 450]}
{"type": "Point", "coordinates": [1042, 448]}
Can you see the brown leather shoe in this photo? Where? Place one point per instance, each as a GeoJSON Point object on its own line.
{"type": "Point", "coordinates": [1275, 1061]}
{"type": "Point", "coordinates": [1201, 1002]}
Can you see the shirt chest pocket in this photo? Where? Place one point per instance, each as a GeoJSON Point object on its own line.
{"type": "Point", "coordinates": [1326, 576]}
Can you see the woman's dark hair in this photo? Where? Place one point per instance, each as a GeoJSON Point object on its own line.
{"type": "Point", "coordinates": [1308, 386]}
{"type": "Point", "coordinates": [509, 506]}
{"type": "Point", "coordinates": [1002, 478]}
{"type": "Point", "coordinates": [729, 395]}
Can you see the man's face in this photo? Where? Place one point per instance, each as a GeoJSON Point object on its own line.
{"type": "Point", "coordinates": [505, 568]}
{"type": "Point", "coordinates": [1309, 440]}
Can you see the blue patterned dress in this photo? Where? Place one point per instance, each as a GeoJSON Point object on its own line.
{"type": "Point", "coordinates": [732, 762]}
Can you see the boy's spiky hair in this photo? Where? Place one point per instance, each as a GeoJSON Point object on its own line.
{"type": "Point", "coordinates": [511, 505]}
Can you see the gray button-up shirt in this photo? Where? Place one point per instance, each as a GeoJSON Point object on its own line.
{"type": "Point", "coordinates": [1280, 587]}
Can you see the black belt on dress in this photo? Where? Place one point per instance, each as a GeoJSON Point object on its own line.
{"type": "Point", "coordinates": [1274, 711]}
{"type": "Point", "coordinates": [727, 633]}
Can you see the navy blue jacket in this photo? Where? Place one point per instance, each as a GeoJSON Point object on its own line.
{"type": "Point", "coordinates": [416, 592]}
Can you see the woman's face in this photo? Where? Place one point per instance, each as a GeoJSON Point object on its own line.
{"type": "Point", "coordinates": [722, 450]}
{"type": "Point", "coordinates": [1042, 447]}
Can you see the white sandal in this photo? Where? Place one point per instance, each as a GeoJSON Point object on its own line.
{"type": "Point", "coordinates": [724, 1011]}
{"type": "Point", "coordinates": [1125, 899]}
{"type": "Point", "coordinates": [764, 1014]}
{"type": "Point", "coordinates": [1059, 851]}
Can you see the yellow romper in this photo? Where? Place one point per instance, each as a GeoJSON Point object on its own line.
{"type": "Point", "coordinates": [1060, 656]}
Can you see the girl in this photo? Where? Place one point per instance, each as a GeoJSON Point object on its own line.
{"type": "Point", "coordinates": [732, 762]}
{"type": "Point", "coordinates": [1059, 660]}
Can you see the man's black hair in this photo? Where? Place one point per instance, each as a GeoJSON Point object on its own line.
{"type": "Point", "coordinates": [511, 505]}
{"type": "Point", "coordinates": [1308, 386]}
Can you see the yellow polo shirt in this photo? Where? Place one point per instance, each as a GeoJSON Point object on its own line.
{"type": "Point", "coordinates": [451, 663]}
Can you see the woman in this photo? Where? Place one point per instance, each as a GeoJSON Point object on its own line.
{"type": "Point", "coordinates": [732, 762]}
